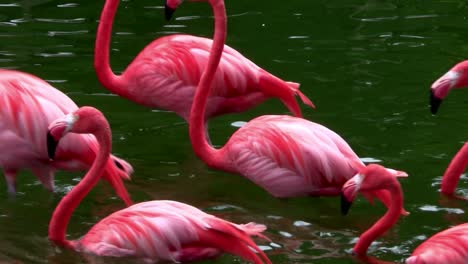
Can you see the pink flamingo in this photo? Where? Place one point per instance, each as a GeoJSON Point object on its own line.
{"type": "Point", "coordinates": [285, 155]}
{"type": "Point", "coordinates": [28, 105]}
{"type": "Point", "coordinates": [456, 77]}
{"type": "Point", "coordinates": [155, 230]}
{"type": "Point", "coordinates": [449, 246]}
{"type": "Point", "coordinates": [165, 74]}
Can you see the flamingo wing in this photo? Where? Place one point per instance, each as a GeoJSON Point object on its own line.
{"type": "Point", "coordinates": [169, 230]}
{"type": "Point", "coordinates": [290, 156]}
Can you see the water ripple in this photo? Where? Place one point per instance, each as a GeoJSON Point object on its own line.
{"type": "Point", "coordinates": [58, 54]}
{"type": "Point", "coordinates": [61, 21]}
{"type": "Point", "coordinates": [433, 208]}
{"type": "Point", "coordinates": [10, 5]}
{"type": "Point", "coordinates": [183, 18]}
{"type": "Point", "coordinates": [68, 5]}
{"type": "Point", "coordinates": [65, 33]}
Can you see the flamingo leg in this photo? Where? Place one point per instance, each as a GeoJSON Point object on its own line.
{"type": "Point", "coordinates": [10, 177]}
{"type": "Point", "coordinates": [45, 176]}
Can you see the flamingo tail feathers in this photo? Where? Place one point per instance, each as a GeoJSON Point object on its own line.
{"type": "Point", "coordinates": [285, 91]}
{"type": "Point", "coordinates": [235, 239]}
{"type": "Point", "coordinates": [295, 87]}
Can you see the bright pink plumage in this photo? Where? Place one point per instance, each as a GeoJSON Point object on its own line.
{"type": "Point", "coordinates": [169, 230]}
{"type": "Point", "coordinates": [28, 105]}
{"type": "Point", "coordinates": [448, 246]}
{"type": "Point", "coordinates": [290, 156]}
{"type": "Point", "coordinates": [165, 75]}
{"type": "Point", "coordinates": [156, 230]}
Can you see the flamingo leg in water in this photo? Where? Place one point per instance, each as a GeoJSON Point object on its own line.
{"type": "Point", "coordinates": [10, 177]}
{"type": "Point", "coordinates": [45, 176]}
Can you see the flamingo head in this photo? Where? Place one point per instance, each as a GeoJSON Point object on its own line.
{"type": "Point", "coordinates": [170, 7]}
{"type": "Point", "coordinates": [454, 78]}
{"type": "Point", "coordinates": [89, 120]}
{"type": "Point", "coordinates": [371, 178]}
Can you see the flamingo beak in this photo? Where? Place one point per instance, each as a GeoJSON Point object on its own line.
{"type": "Point", "coordinates": [51, 145]}
{"type": "Point", "coordinates": [58, 129]}
{"type": "Point", "coordinates": [349, 191]}
{"type": "Point", "coordinates": [441, 87]}
{"type": "Point", "coordinates": [435, 102]}
{"type": "Point", "coordinates": [168, 11]}
{"type": "Point", "coordinates": [345, 204]}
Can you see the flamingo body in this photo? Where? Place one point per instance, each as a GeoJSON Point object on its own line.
{"type": "Point", "coordinates": [165, 230]}
{"type": "Point", "coordinates": [448, 246]}
{"type": "Point", "coordinates": [28, 105]}
{"type": "Point", "coordinates": [290, 156]}
{"type": "Point", "coordinates": [165, 75]}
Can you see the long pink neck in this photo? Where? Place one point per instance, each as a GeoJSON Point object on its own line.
{"type": "Point", "coordinates": [384, 223]}
{"type": "Point", "coordinates": [197, 128]}
{"type": "Point", "coordinates": [62, 213]}
{"type": "Point", "coordinates": [101, 52]}
{"type": "Point", "coordinates": [454, 171]}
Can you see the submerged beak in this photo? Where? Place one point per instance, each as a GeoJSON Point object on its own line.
{"type": "Point", "coordinates": [51, 145]}
{"type": "Point", "coordinates": [435, 102]}
{"type": "Point", "coordinates": [168, 11]}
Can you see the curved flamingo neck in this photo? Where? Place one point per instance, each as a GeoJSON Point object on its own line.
{"type": "Point", "coordinates": [197, 127]}
{"type": "Point", "coordinates": [101, 51]}
{"type": "Point", "coordinates": [384, 223]}
{"type": "Point", "coordinates": [454, 171]}
{"type": "Point", "coordinates": [62, 213]}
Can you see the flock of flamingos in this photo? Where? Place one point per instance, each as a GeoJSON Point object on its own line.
{"type": "Point", "coordinates": [199, 78]}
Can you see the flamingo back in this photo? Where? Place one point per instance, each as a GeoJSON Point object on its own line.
{"type": "Point", "coordinates": [161, 230]}
{"type": "Point", "coordinates": [277, 151]}
{"type": "Point", "coordinates": [165, 75]}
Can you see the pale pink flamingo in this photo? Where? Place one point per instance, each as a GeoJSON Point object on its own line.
{"type": "Point", "coordinates": [155, 230]}
{"type": "Point", "coordinates": [287, 156]}
{"type": "Point", "coordinates": [27, 106]}
{"type": "Point", "coordinates": [165, 75]}
{"type": "Point", "coordinates": [449, 246]}
{"type": "Point", "coordinates": [455, 78]}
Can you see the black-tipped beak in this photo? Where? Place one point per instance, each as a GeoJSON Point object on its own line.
{"type": "Point", "coordinates": [168, 11]}
{"type": "Point", "coordinates": [435, 102]}
{"type": "Point", "coordinates": [345, 205]}
{"type": "Point", "coordinates": [51, 145]}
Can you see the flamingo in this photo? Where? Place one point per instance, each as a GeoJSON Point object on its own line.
{"type": "Point", "coordinates": [154, 230]}
{"type": "Point", "coordinates": [166, 72]}
{"type": "Point", "coordinates": [448, 246]}
{"type": "Point", "coordinates": [287, 156]}
{"type": "Point", "coordinates": [455, 78]}
{"type": "Point", "coordinates": [28, 105]}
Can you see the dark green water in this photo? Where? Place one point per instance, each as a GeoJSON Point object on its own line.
{"type": "Point", "coordinates": [367, 65]}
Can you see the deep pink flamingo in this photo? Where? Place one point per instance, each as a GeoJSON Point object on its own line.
{"type": "Point", "coordinates": [455, 78]}
{"type": "Point", "coordinates": [449, 246]}
{"type": "Point", "coordinates": [155, 230]}
{"type": "Point", "coordinates": [285, 155]}
{"type": "Point", "coordinates": [166, 72]}
{"type": "Point", "coordinates": [28, 105]}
